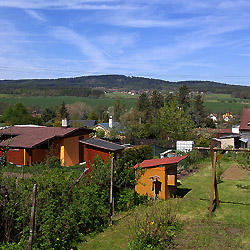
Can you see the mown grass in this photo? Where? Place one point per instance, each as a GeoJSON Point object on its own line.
{"type": "Point", "coordinates": [228, 228]}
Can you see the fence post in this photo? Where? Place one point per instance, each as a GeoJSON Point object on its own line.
{"type": "Point", "coordinates": [111, 191]}
{"type": "Point", "coordinates": [32, 217]}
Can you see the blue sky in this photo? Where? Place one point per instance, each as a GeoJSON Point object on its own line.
{"type": "Point", "coordinates": [166, 39]}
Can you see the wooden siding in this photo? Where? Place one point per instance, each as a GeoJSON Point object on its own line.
{"type": "Point", "coordinates": [91, 152]}
{"type": "Point", "coordinates": [165, 191]}
{"type": "Point", "coordinates": [16, 156]}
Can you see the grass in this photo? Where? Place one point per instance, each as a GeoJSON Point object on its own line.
{"type": "Point", "coordinates": [228, 228]}
{"type": "Point", "coordinates": [50, 101]}
{"type": "Point", "coordinates": [216, 103]}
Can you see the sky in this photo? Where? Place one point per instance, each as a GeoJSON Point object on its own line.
{"type": "Point", "coordinates": [165, 39]}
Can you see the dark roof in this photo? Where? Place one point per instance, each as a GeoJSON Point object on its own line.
{"type": "Point", "coordinates": [102, 144]}
{"type": "Point", "coordinates": [89, 123]}
{"type": "Point", "coordinates": [245, 119]}
{"type": "Point", "coordinates": [163, 161]}
{"type": "Point", "coordinates": [31, 136]}
{"type": "Point", "coordinates": [86, 123]}
{"type": "Point", "coordinates": [230, 136]}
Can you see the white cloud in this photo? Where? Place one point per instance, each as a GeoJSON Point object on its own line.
{"type": "Point", "coordinates": [66, 5]}
{"type": "Point", "coordinates": [35, 15]}
{"type": "Point", "coordinates": [95, 55]}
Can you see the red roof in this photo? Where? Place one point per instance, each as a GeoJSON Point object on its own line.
{"type": "Point", "coordinates": [245, 119]}
{"type": "Point", "coordinates": [31, 136]}
{"type": "Point", "coordinates": [164, 161]}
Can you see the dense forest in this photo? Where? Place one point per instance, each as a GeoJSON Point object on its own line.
{"type": "Point", "coordinates": [89, 86]}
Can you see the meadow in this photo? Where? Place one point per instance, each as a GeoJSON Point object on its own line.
{"type": "Point", "coordinates": [215, 103]}
{"type": "Point", "coordinates": [50, 101]}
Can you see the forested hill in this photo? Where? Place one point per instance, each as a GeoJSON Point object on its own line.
{"type": "Point", "coordinates": [74, 85]}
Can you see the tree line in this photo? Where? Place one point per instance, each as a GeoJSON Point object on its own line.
{"type": "Point", "coordinates": [86, 85]}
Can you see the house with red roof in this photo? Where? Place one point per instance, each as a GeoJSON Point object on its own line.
{"type": "Point", "coordinates": [245, 125]}
{"type": "Point", "coordinates": [160, 177]}
{"type": "Point", "coordinates": [28, 144]}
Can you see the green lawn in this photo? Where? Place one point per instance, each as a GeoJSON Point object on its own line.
{"type": "Point", "coordinates": [228, 228]}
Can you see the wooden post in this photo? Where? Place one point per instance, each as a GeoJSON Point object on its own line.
{"type": "Point", "coordinates": [32, 218]}
{"type": "Point", "coordinates": [111, 191]}
{"type": "Point", "coordinates": [214, 183]}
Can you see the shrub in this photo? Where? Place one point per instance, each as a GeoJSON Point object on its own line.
{"type": "Point", "coordinates": [53, 162]}
{"type": "Point", "coordinates": [154, 227]}
{"type": "Point", "coordinates": [64, 212]}
{"type": "Point", "coordinates": [243, 158]}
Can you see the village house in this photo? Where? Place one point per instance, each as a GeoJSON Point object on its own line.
{"type": "Point", "coordinates": [160, 177]}
{"type": "Point", "coordinates": [29, 144]}
{"type": "Point", "coordinates": [245, 125]}
{"type": "Point", "coordinates": [106, 127]}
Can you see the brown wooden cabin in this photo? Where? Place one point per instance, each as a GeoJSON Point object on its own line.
{"type": "Point", "coordinates": [26, 145]}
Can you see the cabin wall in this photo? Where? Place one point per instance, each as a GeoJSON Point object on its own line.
{"type": "Point", "coordinates": [145, 187]}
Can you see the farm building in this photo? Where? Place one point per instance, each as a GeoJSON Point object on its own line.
{"type": "Point", "coordinates": [93, 147]}
{"type": "Point", "coordinates": [160, 178]}
{"type": "Point", "coordinates": [28, 144]}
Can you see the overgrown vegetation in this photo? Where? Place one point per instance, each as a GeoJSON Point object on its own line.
{"type": "Point", "coordinates": [64, 212]}
{"type": "Point", "coordinates": [154, 226]}
{"type": "Point", "coordinates": [67, 208]}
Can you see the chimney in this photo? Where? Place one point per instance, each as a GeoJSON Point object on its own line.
{"type": "Point", "coordinates": [110, 122]}
{"type": "Point", "coordinates": [65, 123]}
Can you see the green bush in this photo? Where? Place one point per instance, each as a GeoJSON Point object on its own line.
{"type": "Point", "coordinates": [64, 212]}
{"type": "Point", "coordinates": [195, 156]}
{"type": "Point", "coordinates": [243, 158]}
{"type": "Point", "coordinates": [53, 162]}
{"type": "Point", "coordinates": [154, 226]}
{"type": "Point", "coordinates": [11, 246]}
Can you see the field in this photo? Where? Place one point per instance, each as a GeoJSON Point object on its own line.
{"type": "Point", "coordinates": [228, 228]}
{"type": "Point", "coordinates": [216, 103]}
{"type": "Point", "coordinates": [221, 103]}
{"type": "Point", "coordinates": [50, 101]}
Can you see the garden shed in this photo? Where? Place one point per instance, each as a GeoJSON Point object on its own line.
{"type": "Point", "coordinates": [93, 147]}
{"type": "Point", "coordinates": [160, 177]}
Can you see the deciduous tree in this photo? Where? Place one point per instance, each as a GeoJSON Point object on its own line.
{"type": "Point", "coordinates": [175, 122]}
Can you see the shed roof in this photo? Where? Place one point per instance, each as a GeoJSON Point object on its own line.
{"type": "Point", "coordinates": [31, 136]}
{"type": "Point", "coordinates": [102, 144]}
{"type": "Point", "coordinates": [245, 119]}
{"type": "Point", "coordinates": [163, 161]}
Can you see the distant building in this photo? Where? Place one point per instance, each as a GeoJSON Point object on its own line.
{"type": "Point", "coordinates": [245, 125]}
{"type": "Point", "coordinates": [106, 126]}
{"type": "Point", "coordinates": [227, 116]}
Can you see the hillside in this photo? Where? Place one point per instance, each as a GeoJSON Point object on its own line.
{"type": "Point", "coordinates": [82, 86]}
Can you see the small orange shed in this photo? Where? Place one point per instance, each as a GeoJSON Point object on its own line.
{"type": "Point", "coordinates": [160, 178]}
